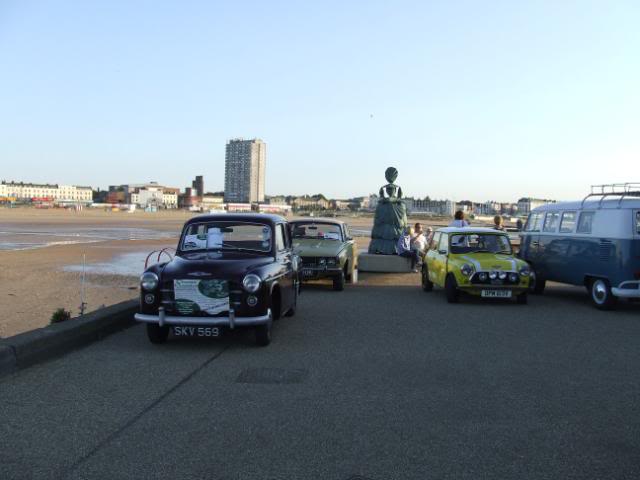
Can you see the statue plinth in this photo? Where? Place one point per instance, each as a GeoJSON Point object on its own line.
{"type": "Point", "coordinates": [390, 218]}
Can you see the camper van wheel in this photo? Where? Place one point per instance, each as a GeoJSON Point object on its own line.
{"type": "Point", "coordinates": [537, 283]}
{"type": "Point", "coordinates": [601, 294]}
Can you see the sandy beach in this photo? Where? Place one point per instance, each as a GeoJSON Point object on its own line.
{"type": "Point", "coordinates": [37, 280]}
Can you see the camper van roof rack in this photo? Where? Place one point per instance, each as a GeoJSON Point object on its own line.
{"type": "Point", "coordinates": [620, 190]}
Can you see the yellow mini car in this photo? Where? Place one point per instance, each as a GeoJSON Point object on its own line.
{"type": "Point", "coordinates": [478, 261]}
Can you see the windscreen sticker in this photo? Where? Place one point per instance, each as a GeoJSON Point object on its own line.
{"type": "Point", "coordinates": [332, 236]}
{"type": "Point", "coordinates": [214, 238]}
{"type": "Point", "coordinates": [194, 242]}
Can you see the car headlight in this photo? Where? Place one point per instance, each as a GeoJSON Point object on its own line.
{"type": "Point", "coordinates": [483, 276]}
{"type": "Point", "coordinates": [502, 275]}
{"type": "Point", "coordinates": [149, 281]}
{"type": "Point", "coordinates": [467, 270]}
{"type": "Point", "coordinates": [331, 262]}
{"type": "Point", "coordinates": [322, 261]}
{"type": "Point", "coordinates": [251, 283]}
{"type": "Point", "coordinates": [525, 271]}
{"type": "Point", "coordinates": [493, 275]}
{"type": "Point", "coordinates": [513, 277]}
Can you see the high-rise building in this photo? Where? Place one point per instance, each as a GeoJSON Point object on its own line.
{"type": "Point", "coordinates": [198, 185]}
{"type": "Point", "coordinates": [244, 172]}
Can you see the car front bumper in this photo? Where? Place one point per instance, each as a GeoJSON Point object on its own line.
{"type": "Point", "coordinates": [230, 321]}
{"type": "Point", "coordinates": [315, 273]}
{"type": "Point", "coordinates": [630, 289]}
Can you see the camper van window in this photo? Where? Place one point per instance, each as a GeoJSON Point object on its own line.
{"type": "Point", "coordinates": [533, 224]}
{"type": "Point", "coordinates": [637, 222]}
{"type": "Point", "coordinates": [585, 223]}
{"type": "Point", "coordinates": [568, 222]}
{"type": "Point", "coordinates": [551, 222]}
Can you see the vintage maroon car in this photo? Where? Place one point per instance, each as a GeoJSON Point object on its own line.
{"type": "Point", "coordinates": [229, 271]}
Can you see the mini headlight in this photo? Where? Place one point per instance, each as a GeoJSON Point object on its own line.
{"type": "Point", "coordinates": [251, 283]}
{"type": "Point", "coordinates": [149, 281]}
{"type": "Point", "coordinates": [525, 271]}
{"type": "Point", "coordinates": [513, 277]}
{"type": "Point", "coordinates": [502, 275]}
{"type": "Point", "coordinates": [493, 275]}
{"type": "Point", "coordinates": [331, 261]}
{"type": "Point", "coordinates": [482, 276]}
{"type": "Point", "coordinates": [322, 261]}
{"type": "Point", "coordinates": [466, 270]}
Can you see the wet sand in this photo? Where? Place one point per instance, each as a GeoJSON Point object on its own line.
{"type": "Point", "coordinates": [35, 282]}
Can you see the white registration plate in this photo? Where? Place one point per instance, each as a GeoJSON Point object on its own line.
{"type": "Point", "coordinates": [496, 293]}
{"type": "Point", "coordinates": [181, 331]}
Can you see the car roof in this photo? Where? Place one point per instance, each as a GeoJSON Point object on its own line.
{"type": "Point", "coordinates": [597, 204]}
{"type": "Point", "coordinates": [238, 217]}
{"type": "Point", "coordinates": [318, 220]}
{"type": "Point", "coordinates": [469, 230]}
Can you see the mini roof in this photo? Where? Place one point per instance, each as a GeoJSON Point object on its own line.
{"type": "Point", "coordinates": [318, 220]}
{"type": "Point", "coordinates": [237, 217]}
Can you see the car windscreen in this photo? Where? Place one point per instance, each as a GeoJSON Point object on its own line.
{"type": "Point", "coordinates": [227, 235]}
{"type": "Point", "coordinates": [480, 242]}
{"type": "Point", "coordinates": [317, 231]}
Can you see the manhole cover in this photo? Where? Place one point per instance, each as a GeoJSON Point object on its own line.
{"type": "Point", "coordinates": [272, 375]}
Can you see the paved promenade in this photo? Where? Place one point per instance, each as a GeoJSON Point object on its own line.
{"type": "Point", "coordinates": [377, 382]}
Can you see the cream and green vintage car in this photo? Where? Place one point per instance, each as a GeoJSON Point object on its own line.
{"type": "Point", "coordinates": [326, 249]}
{"type": "Point", "coordinates": [478, 261]}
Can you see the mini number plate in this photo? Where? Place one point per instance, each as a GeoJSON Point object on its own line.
{"type": "Point", "coordinates": [496, 293]}
{"type": "Point", "coordinates": [196, 331]}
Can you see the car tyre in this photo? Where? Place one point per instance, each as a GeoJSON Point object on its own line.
{"type": "Point", "coordinates": [451, 289]}
{"type": "Point", "coordinates": [601, 294]}
{"type": "Point", "coordinates": [522, 299]}
{"type": "Point", "coordinates": [537, 284]}
{"type": "Point", "coordinates": [263, 335]}
{"type": "Point", "coordinates": [338, 282]}
{"type": "Point", "coordinates": [156, 333]}
{"type": "Point", "coordinates": [427, 285]}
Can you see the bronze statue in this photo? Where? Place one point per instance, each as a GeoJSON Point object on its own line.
{"type": "Point", "coordinates": [391, 217]}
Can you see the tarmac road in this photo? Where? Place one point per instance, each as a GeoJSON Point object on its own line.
{"type": "Point", "coordinates": [377, 382]}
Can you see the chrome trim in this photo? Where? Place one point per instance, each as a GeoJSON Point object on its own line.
{"type": "Point", "coordinates": [232, 318]}
{"type": "Point", "coordinates": [209, 321]}
{"type": "Point", "coordinates": [161, 316]}
{"type": "Point", "coordinates": [621, 292]}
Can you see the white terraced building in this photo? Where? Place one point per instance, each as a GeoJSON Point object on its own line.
{"type": "Point", "coordinates": [60, 193]}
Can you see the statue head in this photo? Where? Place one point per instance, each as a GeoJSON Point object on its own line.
{"type": "Point", "coordinates": [391, 174]}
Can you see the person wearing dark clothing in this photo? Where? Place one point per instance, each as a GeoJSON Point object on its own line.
{"type": "Point", "coordinates": [403, 248]}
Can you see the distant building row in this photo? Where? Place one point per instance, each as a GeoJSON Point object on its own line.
{"type": "Point", "coordinates": [45, 192]}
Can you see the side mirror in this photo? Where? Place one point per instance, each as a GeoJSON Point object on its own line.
{"type": "Point", "coordinates": [442, 252]}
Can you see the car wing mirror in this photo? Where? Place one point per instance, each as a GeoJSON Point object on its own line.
{"type": "Point", "coordinates": [442, 252]}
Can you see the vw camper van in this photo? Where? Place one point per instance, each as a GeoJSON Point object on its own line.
{"type": "Point", "coordinates": [594, 242]}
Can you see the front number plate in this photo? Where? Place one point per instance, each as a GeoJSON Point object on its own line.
{"type": "Point", "coordinates": [496, 293]}
{"type": "Point", "coordinates": [307, 272]}
{"type": "Point", "coordinates": [196, 331]}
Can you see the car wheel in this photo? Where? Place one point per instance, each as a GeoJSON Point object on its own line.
{"type": "Point", "coordinates": [292, 310]}
{"type": "Point", "coordinates": [338, 282]}
{"type": "Point", "coordinates": [451, 289]}
{"type": "Point", "coordinates": [601, 294]}
{"type": "Point", "coordinates": [263, 335]}
{"type": "Point", "coordinates": [427, 285]}
{"type": "Point", "coordinates": [536, 283]}
{"type": "Point", "coordinates": [156, 333]}
{"type": "Point", "coordinates": [522, 299]}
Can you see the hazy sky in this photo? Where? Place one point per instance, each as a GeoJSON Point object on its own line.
{"type": "Point", "coordinates": [468, 99]}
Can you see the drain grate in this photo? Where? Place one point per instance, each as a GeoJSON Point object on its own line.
{"type": "Point", "coordinates": [359, 477]}
{"type": "Point", "coordinates": [272, 375]}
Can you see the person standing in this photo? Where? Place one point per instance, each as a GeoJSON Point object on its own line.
{"type": "Point", "coordinates": [459, 220]}
{"type": "Point", "coordinates": [403, 248]}
{"type": "Point", "coordinates": [419, 240]}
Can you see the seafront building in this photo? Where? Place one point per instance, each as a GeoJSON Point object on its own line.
{"type": "Point", "coordinates": [52, 193]}
{"type": "Point", "coordinates": [144, 195]}
{"type": "Point", "coordinates": [244, 172]}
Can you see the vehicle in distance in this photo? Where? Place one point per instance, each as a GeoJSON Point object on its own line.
{"type": "Point", "coordinates": [230, 271]}
{"type": "Point", "coordinates": [593, 243]}
{"type": "Point", "coordinates": [477, 261]}
{"type": "Point", "coordinates": [326, 250]}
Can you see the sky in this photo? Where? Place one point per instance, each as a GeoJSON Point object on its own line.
{"type": "Point", "coordinates": [468, 100]}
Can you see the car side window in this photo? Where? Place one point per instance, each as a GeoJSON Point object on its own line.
{"type": "Point", "coordinates": [551, 222]}
{"type": "Point", "coordinates": [347, 233]}
{"type": "Point", "coordinates": [435, 241]}
{"type": "Point", "coordinates": [280, 245]}
{"type": "Point", "coordinates": [637, 222]}
{"type": "Point", "coordinates": [287, 236]}
{"type": "Point", "coordinates": [585, 223]}
{"type": "Point", "coordinates": [568, 222]}
{"type": "Point", "coordinates": [533, 223]}
{"type": "Point", "coordinates": [443, 245]}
